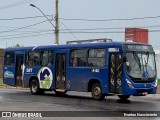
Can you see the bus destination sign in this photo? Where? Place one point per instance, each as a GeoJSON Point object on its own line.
{"type": "Point", "coordinates": [138, 48]}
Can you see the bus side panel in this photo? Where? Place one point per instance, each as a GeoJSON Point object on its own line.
{"type": "Point", "coordinates": [78, 78]}
{"type": "Point", "coordinates": [46, 79]}
{"type": "Point", "coordinates": [9, 76]}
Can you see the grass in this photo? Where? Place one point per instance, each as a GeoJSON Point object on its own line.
{"type": "Point", "coordinates": [1, 82]}
{"type": "Point", "coordinates": [158, 81]}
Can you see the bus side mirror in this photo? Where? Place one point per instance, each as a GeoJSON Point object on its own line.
{"type": "Point", "coordinates": [124, 59]}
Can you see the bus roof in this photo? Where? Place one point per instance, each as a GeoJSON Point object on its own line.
{"type": "Point", "coordinates": [65, 46]}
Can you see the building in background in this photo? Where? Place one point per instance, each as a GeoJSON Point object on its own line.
{"type": "Point", "coordinates": [139, 35]}
{"type": "Point", "coordinates": [1, 62]}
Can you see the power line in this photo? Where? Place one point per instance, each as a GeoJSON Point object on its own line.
{"type": "Point", "coordinates": [23, 27]}
{"type": "Point", "coordinates": [29, 33]}
{"type": "Point", "coordinates": [103, 20]}
{"type": "Point", "coordinates": [22, 18]}
{"type": "Point", "coordinates": [107, 32]}
{"type": "Point", "coordinates": [16, 4]}
{"type": "Point", "coordinates": [27, 36]}
{"type": "Point", "coordinates": [84, 29]}
{"type": "Point", "coordinates": [48, 33]}
{"type": "Point", "coordinates": [69, 30]}
{"type": "Point", "coordinates": [32, 17]}
{"type": "Point", "coordinates": [153, 26]}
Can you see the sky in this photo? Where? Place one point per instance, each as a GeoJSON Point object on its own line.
{"type": "Point", "coordinates": [78, 20]}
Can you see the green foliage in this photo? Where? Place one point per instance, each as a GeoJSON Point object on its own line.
{"type": "Point", "coordinates": [17, 45]}
{"type": "Point", "coordinates": [1, 82]}
{"type": "Point", "coordinates": [158, 81]}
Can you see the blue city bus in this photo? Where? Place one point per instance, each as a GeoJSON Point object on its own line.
{"type": "Point", "coordinates": [104, 69]}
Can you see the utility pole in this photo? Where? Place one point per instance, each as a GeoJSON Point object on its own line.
{"type": "Point", "coordinates": [57, 25]}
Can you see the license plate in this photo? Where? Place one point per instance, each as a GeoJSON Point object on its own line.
{"type": "Point", "coordinates": [144, 93]}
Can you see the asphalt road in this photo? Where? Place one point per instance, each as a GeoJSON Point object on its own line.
{"type": "Point", "coordinates": [22, 100]}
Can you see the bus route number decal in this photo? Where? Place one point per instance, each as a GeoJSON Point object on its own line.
{"type": "Point", "coordinates": [95, 70]}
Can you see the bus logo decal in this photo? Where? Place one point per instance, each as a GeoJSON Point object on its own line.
{"type": "Point", "coordinates": [8, 74]}
{"type": "Point", "coordinates": [45, 77]}
{"type": "Point", "coordinates": [28, 70]}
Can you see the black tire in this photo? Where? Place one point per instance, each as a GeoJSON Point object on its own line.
{"type": "Point", "coordinates": [34, 88]}
{"type": "Point", "coordinates": [123, 97]}
{"type": "Point", "coordinates": [97, 92]}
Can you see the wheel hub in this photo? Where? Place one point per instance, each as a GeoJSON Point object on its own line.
{"type": "Point", "coordinates": [34, 87]}
{"type": "Point", "coordinates": [97, 91]}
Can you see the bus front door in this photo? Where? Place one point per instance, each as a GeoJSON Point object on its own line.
{"type": "Point", "coordinates": [115, 69]}
{"type": "Point", "coordinates": [60, 72]}
{"type": "Point", "coordinates": [19, 69]}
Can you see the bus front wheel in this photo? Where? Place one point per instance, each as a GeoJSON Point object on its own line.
{"type": "Point", "coordinates": [123, 97]}
{"type": "Point", "coordinates": [97, 92]}
{"type": "Point", "coordinates": [34, 88]}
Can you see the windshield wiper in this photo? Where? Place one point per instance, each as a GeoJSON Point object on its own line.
{"type": "Point", "coordinates": [146, 61]}
{"type": "Point", "coordinates": [137, 60]}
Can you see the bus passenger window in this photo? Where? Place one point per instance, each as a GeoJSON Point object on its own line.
{"type": "Point", "coordinates": [30, 63]}
{"type": "Point", "coordinates": [9, 59]}
{"type": "Point", "coordinates": [78, 57]}
{"type": "Point", "coordinates": [50, 57]}
{"type": "Point", "coordinates": [33, 58]}
{"type": "Point", "coordinates": [96, 57]}
{"type": "Point", "coordinates": [47, 58]}
{"type": "Point", "coordinates": [75, 62]}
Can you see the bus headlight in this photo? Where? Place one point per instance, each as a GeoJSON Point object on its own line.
{"type": "Point", "coordinates": [129, 84]}
{"type": "Point", "coordinates": [156, 82]}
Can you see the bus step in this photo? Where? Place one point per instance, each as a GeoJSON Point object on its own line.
{"type": "Point", "coordinates": [60, 90]}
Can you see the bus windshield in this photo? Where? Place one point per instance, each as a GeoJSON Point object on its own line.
{"type": "Point", "coordinates": [140, 64]}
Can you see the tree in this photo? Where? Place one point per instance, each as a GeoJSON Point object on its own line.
{"type": "Point", "coordinates": [17, 45]}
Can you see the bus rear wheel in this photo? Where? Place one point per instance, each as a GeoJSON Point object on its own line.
{"type": "Point", "coordinates": [34, 88]}
{"type": "Point", "coordinates": [123, 97]}
{"type": "Point", "coordinates": [97, 92]}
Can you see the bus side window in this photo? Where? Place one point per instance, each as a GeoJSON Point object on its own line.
{"type": "Point", "coordinates": [78, 57]}
{"type": "Point", "coordinates": [30, 63]}
{"type": "Point", "coordinates": [33, 58]}
{"type": "Point", "coordinates": [47, 58]}
{"type": "Point", "coordinates": [44, 58]}
{"type": "Point", "coordinates": [9, 58]}
{"type": "Point", "coordinates": [75, 62]}
{"type": "Point", "coordinates": [96, 57]}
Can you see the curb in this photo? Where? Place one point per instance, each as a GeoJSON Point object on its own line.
{"type": "Point", "coordinates": [10, 87]}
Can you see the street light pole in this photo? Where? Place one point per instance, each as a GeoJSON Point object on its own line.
{"type": "Point", "coordinates": [56, 28]}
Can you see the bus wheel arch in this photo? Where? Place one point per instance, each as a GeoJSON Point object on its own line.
{"type": "Point", "coordinates": [91, 82]}
{"type": "Point", "coordinates": [94, 86]}
{"type": "Point", "coordinates": [35, 87]}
